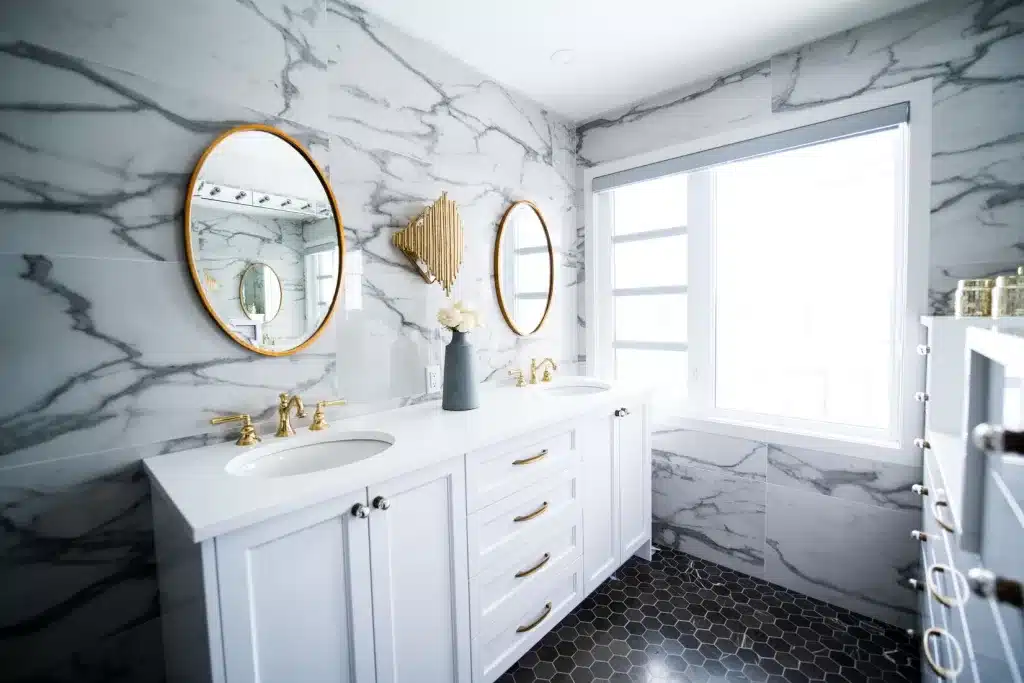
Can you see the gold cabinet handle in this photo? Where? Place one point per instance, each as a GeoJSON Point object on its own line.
{"type": "Point", "coordinates": [534, 458]}
{"type": "Point", "coordinates": [941, 671]}
{"type": "Point", "coordinates": [938, 515]}
{"type": "Point", "coordinates": [533, 624]}
{"type": "Point", "coordinates": [960, 589]}
{"type": "Point", "coordinates": [531, 570]}
{"type": "Point", "coordinates": [527, 517]}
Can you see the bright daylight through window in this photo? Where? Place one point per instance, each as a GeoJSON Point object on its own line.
{"type": "Point", "coordinates": [803, 250]}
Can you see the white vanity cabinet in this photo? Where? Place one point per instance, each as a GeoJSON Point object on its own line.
{"type": "Point", "coordinates": [445, 570]}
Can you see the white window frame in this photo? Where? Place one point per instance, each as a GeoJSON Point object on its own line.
{"type": "Point", "coordinates": [699, 411]}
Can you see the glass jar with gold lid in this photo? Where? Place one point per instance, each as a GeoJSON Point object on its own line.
{"type": "Point", "coordinates": [1008, 295]}
{"type": "Point", "coordinates": [973, 298]}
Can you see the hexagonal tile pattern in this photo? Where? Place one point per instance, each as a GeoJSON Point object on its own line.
{"type": "Point", "coordinates": [679, 619]}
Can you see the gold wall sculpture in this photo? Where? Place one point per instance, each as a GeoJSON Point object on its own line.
{"type": "Point", "coordinates": [434, 242]}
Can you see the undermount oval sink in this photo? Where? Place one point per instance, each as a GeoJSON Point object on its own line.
{"type": "Point", "coordinates": [288, 460]}
{"type": "Point", "coordinates": [577, 387]}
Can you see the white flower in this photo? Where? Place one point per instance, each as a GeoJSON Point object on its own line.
{"type": "Point", "coordinates": [450, 317]}
{"type": "Point", "coordinates": [461, 307]}
{"type": "Point", "coordinates": [469, 322]}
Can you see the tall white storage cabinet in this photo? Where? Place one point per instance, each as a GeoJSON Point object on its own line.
{"type": "Point", "coordinates": [634, 453]}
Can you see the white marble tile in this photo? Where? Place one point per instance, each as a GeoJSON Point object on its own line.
{"type": "Point", "coordinates": [724, 454]}
{"type": "Point", "coordinates": [848, 554]}
{"type": "Point", "coordinates": [713, 516]}
{"type": "Point", "coordinates": [871, 482]}
{"type": "Point", "coordinates": [689, 113]}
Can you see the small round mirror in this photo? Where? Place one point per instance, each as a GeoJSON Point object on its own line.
{"type": "Point", "coordinates": [264, 240]}
{"type": "Point", "coordinates": [524, 268]}
{"type": "Point", "coordinates": [260, 293]}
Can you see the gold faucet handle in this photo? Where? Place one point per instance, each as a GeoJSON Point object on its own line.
{"type": "Point", "coordinates": [319, 421]}
{"type": "Point", "coordinates": [518, 374]}
{"type": "Point", "coordinates": [248, 435]}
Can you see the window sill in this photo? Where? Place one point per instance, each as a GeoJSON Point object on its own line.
{"type": "Point", "coordinates": [883, 451]}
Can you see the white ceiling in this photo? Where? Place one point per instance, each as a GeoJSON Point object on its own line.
{"type": "Point", "coordinates": [622, 50]}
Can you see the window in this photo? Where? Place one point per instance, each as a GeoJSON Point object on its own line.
{"type": "Point", "coordinates": [321, 266]}
{"type": "Point", "coordinates": [764, 282]}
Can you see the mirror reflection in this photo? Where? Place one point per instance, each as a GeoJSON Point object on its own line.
{"type": "Point", "coordinates": [524, 268]}
{"type": "Point", "coordinates": [263, 239]}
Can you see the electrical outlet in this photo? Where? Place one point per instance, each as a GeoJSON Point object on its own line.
{"type": "Point", "coordinates": [433, 379]}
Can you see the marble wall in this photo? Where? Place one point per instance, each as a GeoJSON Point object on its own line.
{"type": "Point", "coordinates": [104, 109]}
{"type": "Point", "coordinates": [831, 526]}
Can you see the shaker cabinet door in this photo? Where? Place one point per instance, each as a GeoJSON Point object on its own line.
{"type": "Point", "coordinates": [295, 597]}
{"type": "Point", "coordinates": [600, 474]}
{"type": "Point", "coordinates": [634, 454]}
{"type": "Point", "coordinates": [420, 574]}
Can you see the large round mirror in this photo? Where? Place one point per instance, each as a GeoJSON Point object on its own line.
{"type": "Point", "coordinates": [524, 268]}
{"type": "Point", "coordinates": [264, 240]}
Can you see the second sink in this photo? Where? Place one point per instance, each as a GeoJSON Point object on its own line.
{"type": "Point", "coordinates": [284, 460]}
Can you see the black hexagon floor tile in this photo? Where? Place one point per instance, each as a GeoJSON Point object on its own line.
{"type": "Point", "coordinates": [679, 619]}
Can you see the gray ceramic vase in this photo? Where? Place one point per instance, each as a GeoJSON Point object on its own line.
{"type": "Point", "coordinates": [459, 389]}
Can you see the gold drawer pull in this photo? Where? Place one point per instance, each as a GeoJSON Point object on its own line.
{"type": "Point", "coordinates": [938, 515]}
{"type": "Point", "coordinates": [533, 624]}
{"type": "Point", "coordinates": [941, 671]}
{"type": "Point", "coordinates": [526, 518]}
{"type": "Point", "coordinates": [960, 588]}
{"type": "Point", "coordinates": [535, 458]}
{"type": "Point", "coordinates": [527, 572]}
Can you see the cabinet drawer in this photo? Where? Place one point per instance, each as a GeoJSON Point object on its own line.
{"type": "Point", "coordinates": [501, 470]}
{"type": "Point", "coordinates": [531, 564]}
{"type": "Point", "coordinates": [520, 624]}
{"type": "Point", "coordinates": [497, 531]}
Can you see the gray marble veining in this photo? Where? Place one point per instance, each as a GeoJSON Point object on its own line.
{"type": "Point", "coordinates": [735, 456]}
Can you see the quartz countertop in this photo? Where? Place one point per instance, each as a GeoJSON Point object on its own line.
{"type": "Point", "coordinates": [213, 502]}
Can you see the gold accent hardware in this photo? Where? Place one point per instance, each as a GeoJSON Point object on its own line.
{"type": "Point", "coordinates": [938, 516]}
{"type": "Point", "coordinates": [941, 671]}
{"type": "Point", "coordinates": [518, 374]}
{"type": "Point", "coordinates": [248, 435]}
{"type": "Point", "coordinates": [500, 267]}
{"type": "Point", "coordinates": [526, 518]}
{"type": "Point", "coordinates": [434, 242]}
{"type": "Point", "coordinates": [319, 421]}
{"type": "Point", "coordinates": [532, 458]}
{"type": "Point", "coordinates": [973, 298]}
{"type": "Point", "coordinates": [531, 570]}
{"type": "Point", "coordinates": [336, 217]}
{"type": "Point", "coordinates": [536, 365]}
{"type": "Point", "coordinates": [960, 587]}
{"type": "Point", "coordinates": [533, 624]}
{"type": "Point", "coordinates": [284, 409]}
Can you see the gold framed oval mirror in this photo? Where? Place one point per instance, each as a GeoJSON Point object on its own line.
{"type": "Point", "coordinates": [524, 268]}
{"type": "Point", "coordinates": [264, 239]}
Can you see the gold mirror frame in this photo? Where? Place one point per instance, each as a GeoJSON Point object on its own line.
{"type": "Point", "coordinates": [196, 279]}
{"type": "Point", "coordinates": [241, 287]}
{"type": "Point", "coordinates": [497, 268]}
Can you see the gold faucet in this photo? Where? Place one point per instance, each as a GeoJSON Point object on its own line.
{"type": "Point", "coordinates": [284, 409]}
{"type": "Point", "coordinates": [535, 366]}
{"type": "Point", "coordinates": [248, 435]}
{"type": "Point", "coordinates": [518, 375]}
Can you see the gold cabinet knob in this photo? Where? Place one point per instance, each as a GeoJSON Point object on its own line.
{"type": "Point", "coordinates": [248, 435]}
{"type": "Point", "coordinates": [319, 421]}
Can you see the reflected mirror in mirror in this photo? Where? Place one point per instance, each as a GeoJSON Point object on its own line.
{"type": "Point", "coordinates": [264, 240]}
{"type": "Point", "coordinates": [524, 267]}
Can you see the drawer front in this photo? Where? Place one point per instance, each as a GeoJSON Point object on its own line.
{"type": "Point", "coordinates": [499, 471]}
{"type": "Point", "coordinates": [532, 563]}
{"type": "Point", "coordinates": [525, 622]}
{"type": "Point", "coordinates": [500, 529]}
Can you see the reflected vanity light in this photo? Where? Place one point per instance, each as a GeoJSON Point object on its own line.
{"type": "Point", "coordinates": [244, 196]}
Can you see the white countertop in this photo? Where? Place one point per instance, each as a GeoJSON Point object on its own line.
{"type": "Point", "coordinates": [213, 502]}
